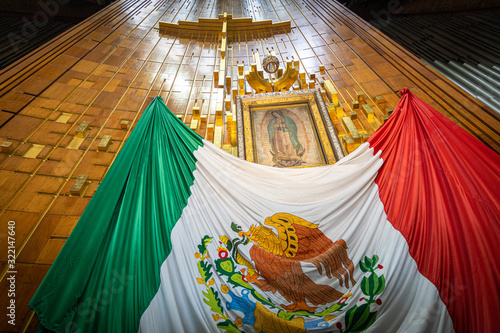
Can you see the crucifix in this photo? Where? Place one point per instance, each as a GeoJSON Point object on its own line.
{"type": "Point", "coordinates": [225, 29]}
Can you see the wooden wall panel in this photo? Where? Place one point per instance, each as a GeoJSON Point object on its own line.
{"type": "Point", "coordinates": [28, 278]}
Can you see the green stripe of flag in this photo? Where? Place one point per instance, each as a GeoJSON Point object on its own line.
{"type": "Point", "coordinates": [109, 269]}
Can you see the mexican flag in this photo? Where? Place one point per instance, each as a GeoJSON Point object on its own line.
{"type": "Point", "coordinates": [399, 236]}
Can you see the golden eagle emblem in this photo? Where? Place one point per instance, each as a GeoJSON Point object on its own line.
{"type": "Point", "coordinates": [278, 260]}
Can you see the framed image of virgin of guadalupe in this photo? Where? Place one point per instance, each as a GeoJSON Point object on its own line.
{"type": "Point", "coordinates": [286, 129]}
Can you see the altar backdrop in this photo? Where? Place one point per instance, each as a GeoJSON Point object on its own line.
{"type": "Point", "coordinates": [401, 235]}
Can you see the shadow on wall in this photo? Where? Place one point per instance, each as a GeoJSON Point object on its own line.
{"type": "Point", "coordinates": [26, 25]}
{"type": "Point", "coordinates": [383, 10]}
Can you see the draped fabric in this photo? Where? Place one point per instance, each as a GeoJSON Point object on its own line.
{"type": "Point", "coordinates": [182, 237]}
{"type": "Point", "coordinates": [108, 270]}
{"type": "Point", "coordinates": [441, 190]}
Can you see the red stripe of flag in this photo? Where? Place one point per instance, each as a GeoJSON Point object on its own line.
{"type": "Point", "coordinates": [440, 188]}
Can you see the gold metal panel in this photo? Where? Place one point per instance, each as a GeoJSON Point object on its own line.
{"type": "Point", "coordinates": [361, 97]}
{"type": "Point", "coordinates": [352, 129]}
{"type": "Point", "coordinates": [223, 46]}
{"type": "Point", "coordinates": [83, 129]}
{"type": "Point", "coordinates": [339, 109]}
{"type": "Point", "coordinates": [218, 136]}
{"type": "Point", "coordinates": [236, 28]}
{"type": "Point", "coordinates": [196, 113]}
{"type": "Point", "coordinates": [64, 117]}
{"type": "Point", "coordinates": [331, 92]}
{"type": "Point", "coordinates": [219, 121]}
{"type": "Point", "coordinates": [75, 143]}
{"type": "Point", "coordinates": [380, 99]}
{"type": "Point", "coordinates": [34, 151]}
{"type": "Point", "coordinates": [79, 185]}
{"type": "Point", "coordinates": [367, 111]}
{"type": "Point", "coordinates": [348, 143]}
{"type": "Point", "coordinates": [222, 73]}
{"type": "Point", "coordinates": [6, 146]}
{"type": "Point", "coordinates": [241, 69]}
{"type": "Point", "coordinates": [105, 143]}
{"type": "Point", "coordinates": [194, 124]}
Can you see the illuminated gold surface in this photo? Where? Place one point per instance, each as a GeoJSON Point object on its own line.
{"type": "Point", "coordinates": [236, 28]}
{"type": "Point", "coordinates": [352, 129]}
{"type": "Point", "coordinates": [348, 143]}
{"type": "Point", "coordinates": [367, 111]}
{"type": "Point", "coordinates": [6, 146]}
{"type": "Point", "coordinates": [124, 124]}
{"type": "Point", "coordinates": [105, 143]}
{"type": "Point", "coordinates": [64, 117]}
{"type": "Point", "coordinates": [83, 129]}
{"type": "Point", "coordinates": [33, 151]}
{"type": "Point", "coordinates": [256, 80]}
{"type": "Point", "coordinates": [79, 185]}
{"type": "Point", "coordinates": [75, 142]}
{"type": "Point", "coordinates": [331, 92]}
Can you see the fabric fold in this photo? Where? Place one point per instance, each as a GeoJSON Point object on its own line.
{"type": "Point", "coordinates": [441, 189]}
{"type": "Point", "coordinates": [108, 270]}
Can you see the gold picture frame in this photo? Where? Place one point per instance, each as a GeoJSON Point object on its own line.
{"type": "Point", "coordinates": [286, 129]}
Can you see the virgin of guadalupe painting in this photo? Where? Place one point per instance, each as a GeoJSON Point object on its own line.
{"type": "Point", "coordinates": [286, 129]}
{"type": "Point", "coordinates": [285, 137]}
